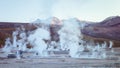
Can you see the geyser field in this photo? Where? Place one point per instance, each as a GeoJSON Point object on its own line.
{"type": "Point", "coordinates": [71, 51]}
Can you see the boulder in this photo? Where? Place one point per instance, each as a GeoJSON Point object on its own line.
{"type": "Point", "coordinates": [11, 56]}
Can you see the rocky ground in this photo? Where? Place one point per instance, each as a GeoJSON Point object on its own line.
{"type": "Point", "coordinates": [61, 62]}
{"type": "Point", "coordinates": [58, 63]}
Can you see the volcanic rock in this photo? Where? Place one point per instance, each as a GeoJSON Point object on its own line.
{"type": "Point", "coordinates": [11, 56]}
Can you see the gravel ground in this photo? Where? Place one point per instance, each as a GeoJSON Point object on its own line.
{"type": "Point", "coordinates": [59, 62]}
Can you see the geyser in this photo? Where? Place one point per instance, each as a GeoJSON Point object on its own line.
{"type": "Point", "coordinates": [37, 40]}
{"type": "Point", "coordinates": [71, 40]}
{"type": "Point", "coordinates": [70, 37]}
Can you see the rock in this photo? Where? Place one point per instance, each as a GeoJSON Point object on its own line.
{"type": "Point", "coordinates": [11, 56]}
{"type": "Point", "coordinates": [108, 29]}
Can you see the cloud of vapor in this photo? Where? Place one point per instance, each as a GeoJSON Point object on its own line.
{"type": "Point", "coordinates": [68, 8]}
{"type": "Point", "coordinates": [47, 8]}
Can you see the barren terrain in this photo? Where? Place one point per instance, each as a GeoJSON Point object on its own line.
{"type": "Point", "coordinates": [60, 62]}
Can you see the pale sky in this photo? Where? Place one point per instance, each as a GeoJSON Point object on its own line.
{"type": "Point", "coordinates": [30, 10]}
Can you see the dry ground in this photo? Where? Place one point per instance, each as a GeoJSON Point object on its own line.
{"type": "Point", "coordinates": [58, 62]}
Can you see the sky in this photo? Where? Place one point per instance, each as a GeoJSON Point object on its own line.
{"type": "Point", "coordinates": [30, 10]}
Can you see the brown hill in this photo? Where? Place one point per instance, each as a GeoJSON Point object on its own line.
{"type": "Point", "coordinates": [107, 29]}
{"type": "Point", "coordinates": [6, 29]}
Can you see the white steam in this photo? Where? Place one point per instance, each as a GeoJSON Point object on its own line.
{"type": "Point", "coordinates": [37, 40]}
{"type": "Point", "coordinates": [70, 36]}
